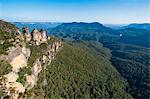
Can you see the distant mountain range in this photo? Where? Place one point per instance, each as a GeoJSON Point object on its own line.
{"type": "Point", "coordinates": [98, 32]}
{"type": "Point", "coordinates": [47, 25]}
{"type": "Point", "coordinates": [80, 70]}
{"type": "Point", "coordinates": [115, 26]}
{"type": "Point", "coordinates": [145, 26]}
{"type": "Point", "coordinates": [129, 55]}
{"type": "Point", "coordinates": [137, 34]}
{"type": "Point", "coordinates": [94, 62]}
{"type": "Point", "coordinates": [37, 25]}
{"type": "Point", "coordinates": [83, 31]}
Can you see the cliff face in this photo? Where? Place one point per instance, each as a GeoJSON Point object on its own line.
{"type": "Point", "coordinates": [26, 59]}
{"type": "Point", "coordinates": [35, 69]}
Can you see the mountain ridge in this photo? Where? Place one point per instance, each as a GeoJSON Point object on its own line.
{"type": "Point", "coordinates": [98, 79]}
{"type": "Point", "coordinates": [145, 26]}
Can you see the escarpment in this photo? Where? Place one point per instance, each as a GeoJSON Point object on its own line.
{"type": "Point", "coordinates": [36, 66]}
{"type": "Point", "coordinates": [27, 54]}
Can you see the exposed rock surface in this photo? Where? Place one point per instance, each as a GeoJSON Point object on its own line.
{"type": "Point", "coordinates": [27, 34]}
{"type": "Point", "coordinates": [18, 57]}
{"type": "Point", "coordinates": [10, 84]}
{"type": "Point", "coordinates": [19, 62]}
{"type": "Point", "coordinates": [32, 79]}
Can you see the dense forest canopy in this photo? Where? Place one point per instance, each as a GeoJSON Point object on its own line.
{"type": "Point", "coordinates": [77, 72]}
{"type": "Point", "coordinates": [130, 51]}
{"type": "Point", "coordinates": [94, 62]}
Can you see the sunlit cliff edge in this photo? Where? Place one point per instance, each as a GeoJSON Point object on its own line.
{"type": "Point", "coordinates": [25, 55]}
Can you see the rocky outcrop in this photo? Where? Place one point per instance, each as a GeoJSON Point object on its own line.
{"type": "Point", "coordinates": [11, 85]}
{"type": "Point", "coordinates": [35, 37]}
{"type": "Point", "coordinates": [19, 62]}
{"type": "Point", "coordinates": [39, 64]}
{"type": "Point", "coordinates": [27, 34]}
{"type": "Point", "coordinates": [18, 57]}
{"type": "Point", "coordinates": [44, 36]}
{"type": "Point", "coordinates": [20, 35]}
{"type": "Point", "coordinates": [26, 51]}
{"type": "Point", "coordinates": [32, 79]}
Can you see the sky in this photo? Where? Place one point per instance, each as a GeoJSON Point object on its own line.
{"type": "Point", "coordinates": [103, 11]}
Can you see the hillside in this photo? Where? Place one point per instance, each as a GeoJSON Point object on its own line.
{"type": "Point", "coordinates": [145, 26]}
{"type": "Point", "coordinates": [129, 54]}
{"type": "Point", "coordinates": [132, 62]}
{"type": "Point", "coordinates": [135, 36]}
{"type": "Point", "coordinates": [77, 72]}
{"type": "Point", "coordinates": [84, 31]}
{"type": "Point", "coordinates": [134, 32]}
{"type": "Point", "coordinates": [7, 32]}
{"type": "Point", "coordinates": [76, 67]}
{"type": "Point", "coordinates": [43, 69]}
{"type": "Point", "coordinates": [22, 57]}
{"type": "Point", "coordinates": [97, 32]}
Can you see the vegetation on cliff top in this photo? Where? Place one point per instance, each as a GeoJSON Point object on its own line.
{"type": "Point", "coordinates": [7, 34]}
{"type": "Point", "coordinates": [77, 73]}
{"type": "Point", "coordinates": [82, 69]}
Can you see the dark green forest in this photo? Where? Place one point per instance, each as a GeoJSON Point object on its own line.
{"type": "Point", "coordinates": [94, 62]}
{"type": "Point", "coordinates": [133, 64]}
{"type": "Point", "coordinates": [129, 53]}
{"type": "Point", "coordinates": [77, 72]}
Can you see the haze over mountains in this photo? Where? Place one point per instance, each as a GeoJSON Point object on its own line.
{"type": "Point", "coordinates": [145, 26]}
{"type": "Point", "coordinates": [129, 47]}
{"type": "Point", "coordinates": [95, 61]}
{"type": "Point", "coordinates": [74, 49]}
{"type": "Point", "coordinates": [98, 32]}
{"type": "Point", "coordinates": [80, 69]}
{"type": "Point", "coordinates": [37, 25]}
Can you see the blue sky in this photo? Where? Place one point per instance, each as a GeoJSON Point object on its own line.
{"type": "Point", "coordinates": [103, 11]}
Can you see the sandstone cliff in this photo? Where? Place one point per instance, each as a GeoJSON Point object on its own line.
{"type": "Point", "coordinates": [27, 56]}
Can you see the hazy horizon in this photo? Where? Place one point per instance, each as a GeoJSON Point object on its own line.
{"type": "Point", "coordinates": [81, 22]}
{"type": "Point", "coordinates": [102, 11]}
